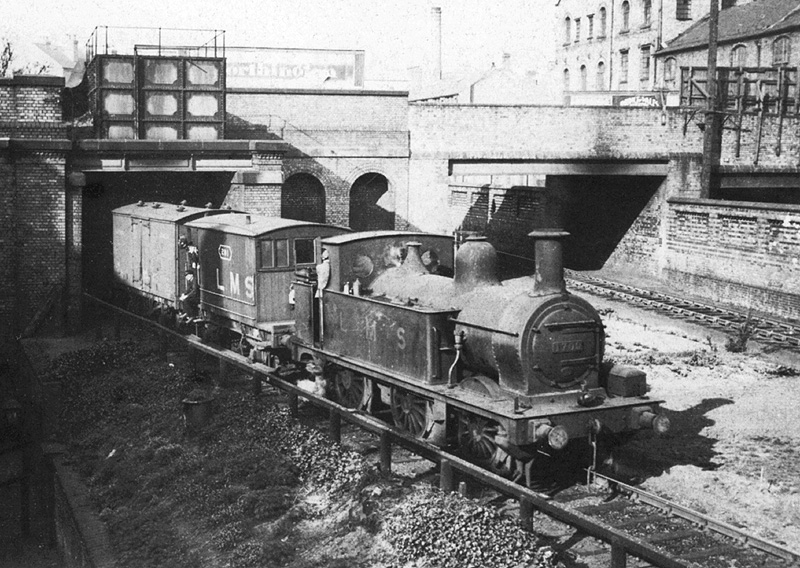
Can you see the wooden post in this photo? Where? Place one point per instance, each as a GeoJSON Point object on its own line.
{"type": "Point", "coordinates": [164, 345]}
{"type": "Point", "coordinates": [255, 385]}
{"type": "Point", "coordinates": [463, 490]}
{"type": "Point", "coordinates": [526, 514]}
{"type": "Point", "coordinates": [293, 404]}
{"type": "Point", "coordinates": [711, 132]}
{"type": "Point", "coordinates": [619, 558]}
{"type": "Point", "coordinates": [335, 426]}
{"type": "Point", "coordinates": [191, 357]}
{"type": "Point", "coordinates": [446, 476]}
{"type": "Point", "coordinates": [386, 453]}
{"type": "Point", "coordinates": [223, 371]}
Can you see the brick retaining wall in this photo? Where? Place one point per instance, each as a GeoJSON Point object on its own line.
{"type": "Point", "coordinates": [81, 537]}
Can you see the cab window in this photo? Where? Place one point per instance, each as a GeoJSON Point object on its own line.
{"type": "Point", "coordinates": [304, 251]}
{"type": "Point", "coordinates": [274, 254]}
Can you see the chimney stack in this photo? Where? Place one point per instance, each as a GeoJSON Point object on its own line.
{"type": "Point", "coordinates": [436, 24]}
{"type": "Point", "coordinates": [549, 258]}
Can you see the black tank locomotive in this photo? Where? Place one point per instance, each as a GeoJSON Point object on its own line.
{"type": "Point", "coordinates": [505, 372]}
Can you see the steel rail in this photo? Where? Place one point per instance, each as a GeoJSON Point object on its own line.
{"type": "Point", "coordinates": [674, 509]}
{"type": "Point", "coordinates": [621, 543]}
{"type": "Point", "coordinates": [766, 329]}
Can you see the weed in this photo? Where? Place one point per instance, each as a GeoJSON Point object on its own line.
{"type": "Point", "coordinates": [737, 342]}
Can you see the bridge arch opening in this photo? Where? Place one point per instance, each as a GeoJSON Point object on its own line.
{"type": "Point", "coordinates": [303, 198]}
{"type": "Point", "coordinates": [371, 203]}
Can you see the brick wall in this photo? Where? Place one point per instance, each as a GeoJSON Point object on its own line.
{"type": "Point", "coordinates": [746, 254]}
{"type": "Point", "coordinates": [81, 537]}
{"type": "Point", "coordinates": [33, 220]}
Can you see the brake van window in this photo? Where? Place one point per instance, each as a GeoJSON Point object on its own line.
{"type": "Point", "coordinates": [275, 254]}
{"type": "Point", "coordinates": [304, 251]}
{"type": "Point", "coordinates": [281, 253]}
{"type": "Point", "coordinates": [267, 257]}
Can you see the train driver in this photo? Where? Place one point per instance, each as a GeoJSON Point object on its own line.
{"type": "Point", "coordinates": [187, 302]}
{"type": "Point", "coordinates": [323, 272]}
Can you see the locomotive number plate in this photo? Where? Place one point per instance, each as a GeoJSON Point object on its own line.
{"type": "Point", "coordinates": [225, 252]}
{"type": "Point", "coordinates": [567, 346]}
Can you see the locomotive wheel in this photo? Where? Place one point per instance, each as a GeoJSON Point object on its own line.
{"type": "Point", "coordinates": [409, 411]}
{"type": "Point", "coordinates": [477, 439]}
{"type": "Point", "coordinates": [350, 388]}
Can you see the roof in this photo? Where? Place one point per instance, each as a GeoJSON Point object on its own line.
{"type": "Point", "coordinates": [162, 211]}
{"type": "Point", "coordinates": [250, 225]}
{"type": "Point", "coordinates": [758, 18]}
{"type": "Point", "coordinates": [365, 235]}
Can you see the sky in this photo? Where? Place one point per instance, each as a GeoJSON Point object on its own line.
{"type": "Point", "coordinates": [395, 34]}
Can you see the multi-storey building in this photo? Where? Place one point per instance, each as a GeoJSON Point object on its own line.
{"type": "Point", "coordinates": [762, 34]}
{"type": "Point", "coordinates": [605, 49]}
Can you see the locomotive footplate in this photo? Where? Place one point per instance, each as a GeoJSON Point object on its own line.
{"type": "Point", "coordinates": [524, 418]}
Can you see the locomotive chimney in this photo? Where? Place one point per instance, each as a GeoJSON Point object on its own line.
{"type": "Point", "coordinates": [413, 261]}
{"type": "Point", "coordinates": [476, 265]}
{"type": "Point", "coordinates": [549, 275]}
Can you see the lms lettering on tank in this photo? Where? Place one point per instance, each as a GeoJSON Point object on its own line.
{"type": "Point", "coordinates": [225, 252]}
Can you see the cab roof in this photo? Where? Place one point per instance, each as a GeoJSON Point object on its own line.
{"type": "Point", "coordinates": [250, 225]}
{"type": "Point", "coordinates": [365, 235]}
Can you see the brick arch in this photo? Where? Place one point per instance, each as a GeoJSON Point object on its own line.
{"type": "Point", "coordinates": [303, 198]}
{"type": "Point", "coordinates": [369, 210]}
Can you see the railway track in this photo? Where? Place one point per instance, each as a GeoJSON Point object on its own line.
{"type": "Point", "coordinates": [774, 332]}
{"type": "Point", "coordinates": [689, 535]}
{"type": "Point", "coordinates": [628, 523]}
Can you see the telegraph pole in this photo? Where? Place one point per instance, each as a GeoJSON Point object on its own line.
{"type": "Point", "coordinates": [711, 132]}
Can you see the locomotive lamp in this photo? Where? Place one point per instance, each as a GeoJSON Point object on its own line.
{"type": "Point", "coordinates": [649, 419]}
{"type": "Point", "coordinates": [557, 436]}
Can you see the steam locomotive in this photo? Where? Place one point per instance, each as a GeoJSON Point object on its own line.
{"type": "Point", "coordinates": [507, 373]}
{"type": "Point", "coordinates": [401, 324]}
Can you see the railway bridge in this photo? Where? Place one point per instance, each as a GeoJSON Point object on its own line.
{"type": "Point", "coordinates": [623, 181]}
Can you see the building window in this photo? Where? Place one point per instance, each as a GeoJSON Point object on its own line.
{"type": "Point", "coordinates": [780, 51]}
{"type": "Point", "coordinates": [623, 67]}
{"type": "Point", "coordinates": [566, 79]}
{"type": "Point", "coordinates": [567, 30]}
{"type": "Point", "coordinates": [739, 56]}
{"type": "Point", "coordinates": [601, 76]}
{"type": "Point", "coordinates": [670, 73]}
{"type": "Point", "coordinates": [644, 66]}
{"type": "Point", "coordinates": [626, 16]}
{"type": "Point", "coordinates": [577, 30]}
{"type": "Point", "coordinates": [602, 23]}
{"type": "Point", "coordinates": [584, 86]}
{"type": "Point", "coordinates": [683, 10]}
{"type": "Point", "coordinates": [590, 24]}
{"type": "Point", "coordinates": [647, 6]}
